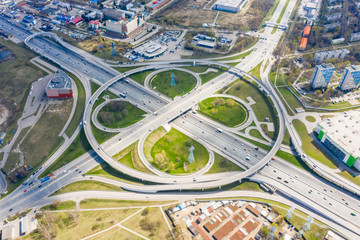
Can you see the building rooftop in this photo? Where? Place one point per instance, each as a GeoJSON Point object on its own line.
{"type": "Point", "coordinates": [229, 3]}
{"type": "Point", "coordinates": [59, 81]}
{"type": "Point", "coordinates": [344, 130]}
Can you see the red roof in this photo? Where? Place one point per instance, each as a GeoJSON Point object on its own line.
{"type": "Point", "coordinates": [303, 43]}
{"type": "Point", "coordinates": [77, 20]}
{"type": "Point", "coordinates": [94, 22]}
{"type": "Point", "coordinates": [21, 4]}
{"type": "Point", "coordinates": [307, 31]}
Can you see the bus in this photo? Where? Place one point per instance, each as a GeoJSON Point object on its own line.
{"type": "Point", "coordinates": [23, 226]}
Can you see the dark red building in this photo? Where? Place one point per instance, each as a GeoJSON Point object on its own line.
{"type": "Point", "coordinates": [59, 86]}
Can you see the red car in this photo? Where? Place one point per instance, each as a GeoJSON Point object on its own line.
{"type": "Point", "coordinates": [25, 190]}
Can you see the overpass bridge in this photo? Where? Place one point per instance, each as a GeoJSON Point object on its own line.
{"type": "Point", "coordinates": [278, 25]}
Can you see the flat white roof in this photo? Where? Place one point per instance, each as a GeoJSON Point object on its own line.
{"type": "Point", "coordinates": [229, 3]}
{"type": "Point", "coordinates": [344, 129]}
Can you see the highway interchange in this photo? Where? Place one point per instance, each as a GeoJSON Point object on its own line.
{"type": "Point", "coordinates": [174, 113]}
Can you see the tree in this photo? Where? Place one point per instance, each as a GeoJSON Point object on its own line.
{"type": "Point", "coordinates": [55, 204]}
{"type": "Point", "coordinates": [146, 211]}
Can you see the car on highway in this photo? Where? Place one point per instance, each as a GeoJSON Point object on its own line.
{"type": "Point", "coordinates": [25, 190]}
{"type": "Point", "coordinates": [10, 209]}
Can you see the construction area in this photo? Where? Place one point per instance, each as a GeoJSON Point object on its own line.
{"type": "Point", "coordinates": [189, 13]}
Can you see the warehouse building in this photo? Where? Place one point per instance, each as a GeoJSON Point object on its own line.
{"type": "Point", "coordinates": [59, 86]}
{"type": "Point", "coordinates": [233, 6]}
{"type": "Point", "coordinates": [341, 136]}
{"type": "Point", "coordinates": [322, 76]}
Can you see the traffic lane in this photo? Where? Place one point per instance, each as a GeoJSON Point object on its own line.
{"type": "Point", "coordinates": [314, 190]}
{"type": "Point", "coordinates": [225, 142]}
{"type": "Point", "coordinates": [26, 199]}
{"type": "Point", "coordinates": [330, 190]}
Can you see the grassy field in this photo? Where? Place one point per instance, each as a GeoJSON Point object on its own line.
{"type": "Point", "coordinates": [197, 69]}
{"type": "Point", "coordinates": [236, 57]}
{"type": "Point", "coordinates": [101, 136]}
{"type": "Point", "coordinates": [15, 81]}
{"type": "Point", "coordinates": [130, 157]}
{"type": "Point", "coordinates": [310, 147]}
{"type": "Point", "coordinates": [151, 140]}
{"type": "Point", "coordinates": [286, 139]}
{"type": "Point", "coordinates": [170, 153]}
{"type": "Point", "coordinates": [125, 69]}
{"type": "Point", "coordinates": [268, 133]}
{"type": "Point", "coordinates": [105, 170]}
{"type": "Point", "coordinates": [18, 73]}
{"type": "Point", "coordinates": [80, 106]}
{"type": "Point", "coordinates": [210, 75]}
{"type": "Point", "coordinates": [88, 185]}
{"type": "Point", "coordinates": [118, 234]}
{"type": "Point", "coordinates": [77, 225]}
{"type": "Point", "coordinates": [140, 76]}
{"type": "Point", "coordinates": [119, 114]}
{"type": "Point", "coordinates": [257, 134]}
{"type": "Point", "coordinates": [262, 108]}
{"type": "Point", "coordinates": [310, 119]}
{"type": "Point", "coordinates": [111, 203]}
{"type": "Point", "coordinates": [184, 83]}
{"type": "Point", "coordinates": [41, 139]}
{"type": "Point", "coordinates": [77, 148]}
{"type": "Point", "coordinates": [66, 205]}
{"type": "Point", "coordinates": [256, 71]}
{"type": "Point", "coordinates": [223, 110]}
{"type": "Point", "coordinates": [236, 186]}
{"type": "Point", "coordinates": [221, 164]}
{"type": "Point", "coordinates": [102, 47]}
{"type": "Point", "coordinates": [292, 159]}
{"type": "Point", "coordinates": [289, 98]}
{"type": "Point", "coordinates": [348, 176]}
{"type": "Point", "coordinates": [151, 225]}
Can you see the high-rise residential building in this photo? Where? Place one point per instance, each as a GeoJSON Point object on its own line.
{"type": "Point", "coordinates": [350, 79]}
{"type": "Point", "coordinates": [322, 76]}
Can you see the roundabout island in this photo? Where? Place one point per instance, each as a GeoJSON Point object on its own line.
{"type": "Point", "coordinates": [175, 153]}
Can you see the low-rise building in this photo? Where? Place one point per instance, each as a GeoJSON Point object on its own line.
{"type": "Point", "coordinates": [233, 6]}
{"type": "Point", "coordinates": [153, 5]}
{"type": "Point", "coordinates": [319, 57]}
{"type": "Point", "coordinates": [338, 40]}
{"type": "Point", "coordinates": [355, 37]}
{"type": "Point", "coordinates": [59, 86]}
{"type": "Point", "coordinates": [116, 14]}
{"type": "Point", "coordinates": [94, 24]}
{"type": "Point", "coordinates": [76, 21]}
{"type": "Point", "coordinates": [333, 17]}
